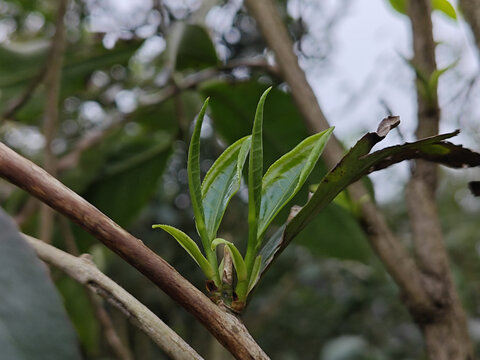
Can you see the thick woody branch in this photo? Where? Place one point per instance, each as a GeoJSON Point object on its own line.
{"type": "Point", "coordinates": [227, 328]}
{"type": "Point", "coordinates": [392, 252]}
{"type": "Point", "coordinates": [84, 271]}
{"type": "Point", "coordinates": [446, 334]}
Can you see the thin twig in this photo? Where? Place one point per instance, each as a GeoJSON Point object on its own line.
{"type": "Point", "coordinates": [83, 270]}
{"type": "Point", "coordinates": [111, 335]}
{"type": "Point", "coordinates": [226, 327]}
{"type": "Point", "coordinates": [52, 84]}
{"type": "Point", "coordinates": [94, 137]}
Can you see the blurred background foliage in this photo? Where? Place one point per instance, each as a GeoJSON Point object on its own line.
{"type": "Point", "coordinates": [135, 75]}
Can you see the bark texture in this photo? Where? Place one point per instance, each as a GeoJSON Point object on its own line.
{"type": "Point", "coordinates": [227, 328]}
{"type": "Point", "coordinates": [426, 284]}
{"type": "Point", "coordinates": [445, 329]}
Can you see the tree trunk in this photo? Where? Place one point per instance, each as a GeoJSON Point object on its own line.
{"type": "Point", "coordinates": [444, 328]}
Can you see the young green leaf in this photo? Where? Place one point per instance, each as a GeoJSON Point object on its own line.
{"type": "Point", "coordinates": [255, 273]}
{"type": "Point", "coordinates": [255, 171]}
{"type": "Point", "coordinates": [237, 259]}
{"type": "Point", "coordinates": [399, 5]}
{"type": "Point", "coordinates": [191, 247]}
{"type": "Point", "coordinates": [445, 7]}
{"type": "Point", "coordinates": [222, 182]}
{"type": "Point", "coordinates": [287, 175]}
{"type": "Point", "coordinates": [194, 183]}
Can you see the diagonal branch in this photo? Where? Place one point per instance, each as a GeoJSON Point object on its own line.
{"type": "Point", "coordinates": [227, 328]}
{"type": "Point", "coordinates": [392, 252]}
{"type": "Point", "coordinates": [120, 349]}
{"type": "Point", "coordinates": [83, 270]}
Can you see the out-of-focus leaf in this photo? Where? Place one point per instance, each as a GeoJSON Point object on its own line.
{"type": "Point", "coordinates": [255, 173]}
{"type": "Point", "coordinates": [334, 234]}
{"type": "Point", "coordinates": [196, 49]}
{"type": "Point", "coordinates": [19, 66]}
{"type": "Point", "coordinates": [124, 188]}
{"type": "Point", "coordinates": [287, 175]}
{"type": "Point", "coordinates": [33, 322]}
{"type": "Point", "coordinates": [191, 247]}
{"type": "Point", "coordinates": [223, 181]}
{"type": "Point", "coordinates": [433, 81]}
{"type": "Point", "coordinates": [445, 7]}
{"type": "Point", "coordinates": [80, 312]}
{"type": "Point", "coordinates": [357, 163]}
{"type": "Point", "coordinates": [399, 5]}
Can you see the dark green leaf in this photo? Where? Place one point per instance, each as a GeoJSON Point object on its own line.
{"type": "Point", "coordinates": [33, 322]}
{"type": "Point", "coordinates": [196, 49]}
{"type": "Point", "coordinates": [124, 187]}
{"type": "Point", "coordinates": [221, 182]}
{"type": "Point", "coordinates": [333, 233]}
{"type": "Point", "coordinates": [357, 163]}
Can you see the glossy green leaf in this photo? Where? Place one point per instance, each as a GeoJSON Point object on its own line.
{"type": "Point", "coordinates": [237, 258]}
{"type": "Point", "coordinates": [255, 273]}
{"type": "Point", "coordinates": [221, 182]}
{"type": "Point", "coordinates": [191, 247]}
{"type": "Point", "coordinates": [194, 183]}
{"type": "Point", "coordinates": [287, 175]}
{"type": "Point", "coordinates": [33, 321]}
{"type": "Point", "coordinates": [255, 172]}
{"type": "Point", "coordinates": [445, 7]}
{"type": "Point", "coordinates": [357, 163]}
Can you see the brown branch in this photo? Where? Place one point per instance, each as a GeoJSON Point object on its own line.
{"type": "Point", "coordinates": [227, 328]}
{"type": "Point", "coordinates": [471, 12]}
{"type": "Point", "coordinates": [390, 250]}
{"type": "Point", "coordinates": [113, 339]}
{"type": "Point", "coordinates": [445, 333]}
{"type": "Point", "coordinates": [52, 84]}
{"type": "Point", "coordinates": [94, 137]}
{"type": "Point", "coordinates": [83, 270]}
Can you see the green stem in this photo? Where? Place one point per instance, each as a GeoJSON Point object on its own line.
{"type": "Point", "coordinates": [209, 253]}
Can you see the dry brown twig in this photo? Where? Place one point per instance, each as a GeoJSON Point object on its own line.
{"type": "Point", "coordinates": [83, 270]}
